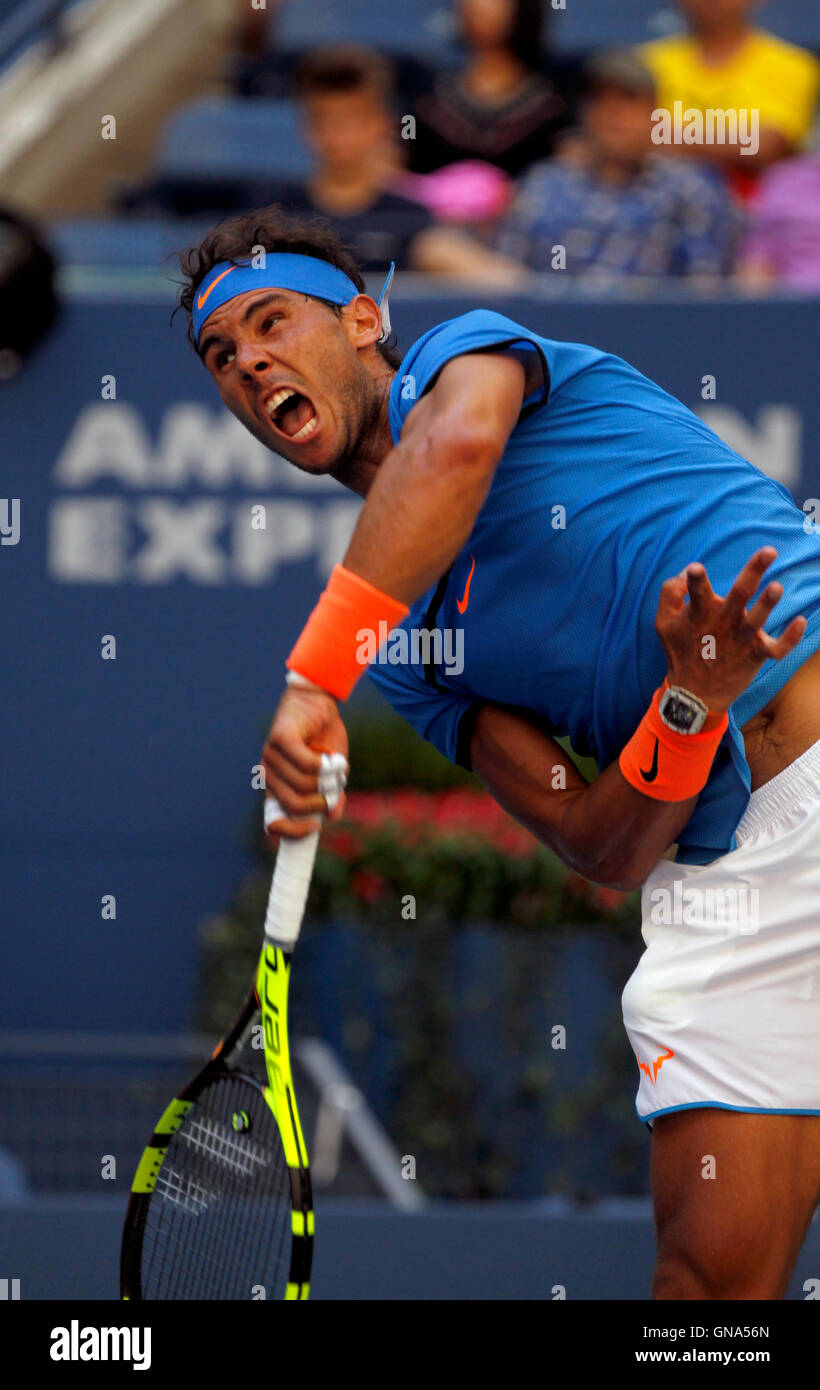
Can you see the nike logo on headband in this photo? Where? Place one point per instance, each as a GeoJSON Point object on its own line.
{"type": "Point", "coordinates": [202, 297]}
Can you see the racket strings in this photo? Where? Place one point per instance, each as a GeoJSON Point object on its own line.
{"type": "Point", "coordinates": [218, 1224]}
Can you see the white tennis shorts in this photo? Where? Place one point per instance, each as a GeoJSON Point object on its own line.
{"type": "Point", "coordinates": [723, 1008]}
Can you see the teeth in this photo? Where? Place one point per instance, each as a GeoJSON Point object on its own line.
{"type": "Point", "coordinates": [279, 398]}
{"type": "Point", "coordinates": [306, 429]}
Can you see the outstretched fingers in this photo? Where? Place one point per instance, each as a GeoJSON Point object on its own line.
{"type": "Point", "coordinates": [672, 597]}
{"type": "Point", "coordinates": [701, 593]}
{"type": "Point", "coordinates": [748, 581]}
{"type": "Point", "coordinates": [768, 600]}
{"type": "Point", "coordinates": [778, 647]}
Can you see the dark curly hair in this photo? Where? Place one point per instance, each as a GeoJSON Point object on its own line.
{"type": "Point", "coordinates": [276, 230]}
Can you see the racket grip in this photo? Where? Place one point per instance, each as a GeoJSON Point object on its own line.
{"type": "Point", "coordinates": [295, 859]}
{"type": "Point", "coordinates": [289, 889]}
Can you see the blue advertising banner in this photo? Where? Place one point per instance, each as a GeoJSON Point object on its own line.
{"type": "Point", "coordinates": [158, 563]}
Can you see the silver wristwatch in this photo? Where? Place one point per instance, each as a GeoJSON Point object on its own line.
{"type": "Point", "coordinates": [682, 711]}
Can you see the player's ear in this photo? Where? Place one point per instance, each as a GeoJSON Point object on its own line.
{"type": "Point", "coordinates": [363, 321]}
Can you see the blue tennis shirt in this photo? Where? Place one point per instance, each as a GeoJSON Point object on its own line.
{"type": "Point", "coordinates": [607, 487]}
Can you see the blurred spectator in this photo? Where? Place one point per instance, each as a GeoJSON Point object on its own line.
{"type": "Point", "coordinates": [356, 187]}
{"type": "Point", "coordinates": [784, 240]}
{"type": "Point", "coordinates": [725, 63]}
{"type": "Point", "coordinates": [28, 302]}
{"type": "Point", "coordinates": [255, 25]}
{"type": "Point", "coordinates": [498, 107]}
{"type": "Point", "coordinates": [615, 205]}
{"type": "Point", "coordinates": [346, 95]}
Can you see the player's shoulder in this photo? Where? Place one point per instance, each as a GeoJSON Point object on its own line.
{"type": "Point", "coordinates": [467, 333]}
{"type": "Point", "coordinates": [471, 329]}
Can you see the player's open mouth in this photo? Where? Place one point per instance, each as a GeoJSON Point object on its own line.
{"type": "Point", "coordinates": [292, 414]}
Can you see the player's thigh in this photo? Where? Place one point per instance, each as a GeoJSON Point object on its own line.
{"type": "Point", "coordinates": [734, 1192]}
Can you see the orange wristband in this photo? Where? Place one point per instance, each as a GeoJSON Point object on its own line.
{"type": "Point", "coordinates": [669, 766]}
{"type": "Point", "coordinates": [327, 651]}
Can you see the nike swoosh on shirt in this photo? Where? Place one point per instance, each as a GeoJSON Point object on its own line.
{"type": "Point", "coordinates": [653, 771]}
{"type": "Point", "coordinates": [202, 297]}
{"type": "Point", "coordinates": [461, 603]}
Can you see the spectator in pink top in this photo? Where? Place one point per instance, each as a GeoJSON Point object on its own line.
{"type": "Point", "coordinates": [783, 245]}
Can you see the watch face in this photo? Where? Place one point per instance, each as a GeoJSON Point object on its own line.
{"type": "Point", "coordinates": [680, 712]}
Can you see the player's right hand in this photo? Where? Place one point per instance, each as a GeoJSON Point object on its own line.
{"type": "Point", "coordinates": [306, 724]}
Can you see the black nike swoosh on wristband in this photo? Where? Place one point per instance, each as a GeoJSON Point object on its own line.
{"type": "Point", "coordinates": [653, 771]}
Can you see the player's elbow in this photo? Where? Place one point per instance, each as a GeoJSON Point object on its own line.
{"type": "Point", "coordinates": [617, 868]}
{"type": "Point", "coordinates": [598, 855]}
{"type": "Point", "coordinates": [465, 446]}
{"type": "Point", "coordinates": [615, 853]}
{"type": "Point", "coordinates": [616, 878]}
{"type": "Point", "coordinates": [609, 872]}
{"type": "Point", "coordinates": [611, 866]}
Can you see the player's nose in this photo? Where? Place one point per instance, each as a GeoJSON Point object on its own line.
{"type": "Point", "coordinates": [251, 360]}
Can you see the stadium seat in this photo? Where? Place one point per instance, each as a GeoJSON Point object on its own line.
{"type": "Point", "coordinates": [420, 27]}
{"type": "Point", "coordinates": [425, 27]}
{"type": "Point", "coordinates": [417, 36]}
{"type": "Point", "coordinates": [92, 241]}
{"type": "Point", "coordinates": [217, 139]}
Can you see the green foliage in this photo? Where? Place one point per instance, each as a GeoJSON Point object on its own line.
{"type": "Point", "coordinates": [387, 753]}
{"type": "Point", "coordinates": [455, 878]}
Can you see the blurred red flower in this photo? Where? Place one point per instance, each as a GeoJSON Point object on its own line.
{"type": "Point", "coordinates": [368, 886]}
{"type": "Point", "coordinates": [456, 812]}
{"type": "Point", "coordinates": [343, 843]}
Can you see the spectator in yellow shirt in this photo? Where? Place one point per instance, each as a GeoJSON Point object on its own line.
{"type": "Point", "coordinates": [725, 63]}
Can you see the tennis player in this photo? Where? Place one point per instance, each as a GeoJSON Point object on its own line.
{"type": "Point", "coordinates": [617, 574]}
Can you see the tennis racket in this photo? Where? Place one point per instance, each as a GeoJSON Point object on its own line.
{"type": "Point", "coordinates": [221, 1204]}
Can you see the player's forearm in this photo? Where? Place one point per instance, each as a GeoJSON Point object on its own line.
{"type": "Point", "coordinates": [616, 834]}
{"type": "Point", "coordinates": [605, 830]}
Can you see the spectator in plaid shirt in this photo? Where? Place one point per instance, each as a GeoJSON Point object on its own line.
{"type": "Point", "coordinates": [615, 205]}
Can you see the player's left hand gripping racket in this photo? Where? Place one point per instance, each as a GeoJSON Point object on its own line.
{"type": "Point", "coordinates": [221, 1204]}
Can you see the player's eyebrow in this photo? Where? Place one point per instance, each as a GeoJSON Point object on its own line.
{"type": "Point", "coordinates": [274, 297]}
